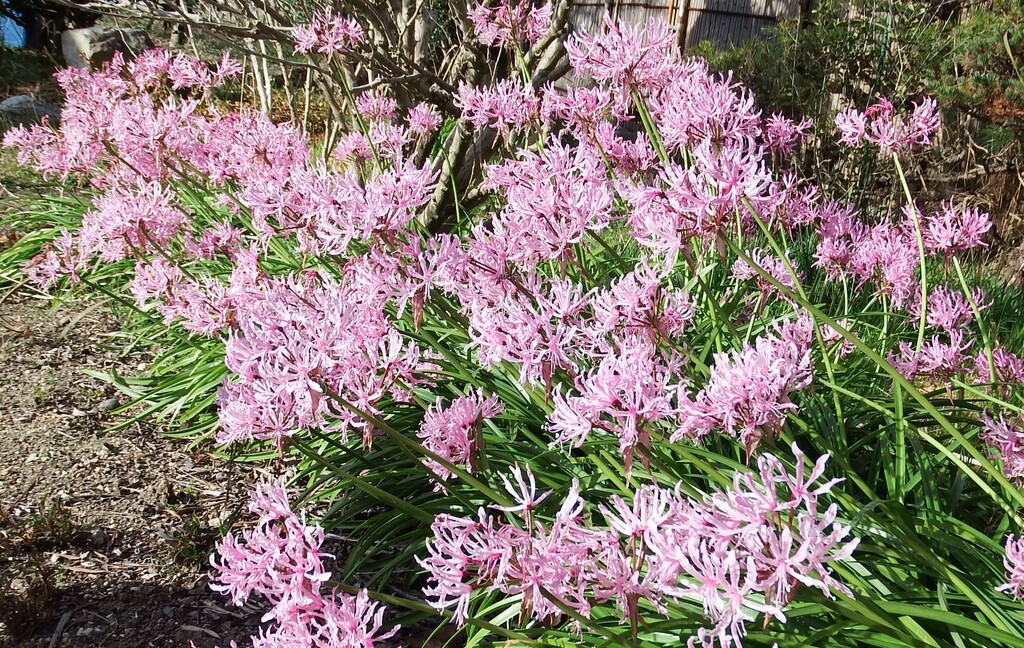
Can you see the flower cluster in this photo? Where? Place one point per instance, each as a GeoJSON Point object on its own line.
{"type": "Point", "coordinates": [452, 433]}
{"type": "Point", "coordinates": [328, 33]}
{"type": "Point", "coordinates": [507, 23]}
{"type": "Point", "coordinates": [281, 559]}
{"type": "Point", "coordinates": [301, 347]}
{"type": "Point", "coordinates": [740, 551]}
{"type": "Point", "coordinates": [576, 283]}
{"type": "Point", "coordinates": [880, 124]}
{"type": "Point", "coordinates": [1007, 439]}
{"type": "Point", "coordinates": [1014, 563]}
{"type": "Point", "coordinates": [782, 134]}
{"type": "Point", "coordinates": [507, 106]}
{"type": "Point", "coordinates": [748, 393]}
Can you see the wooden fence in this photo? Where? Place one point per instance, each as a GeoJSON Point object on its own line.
{"type": "Point", "coordinates": [723, 22]}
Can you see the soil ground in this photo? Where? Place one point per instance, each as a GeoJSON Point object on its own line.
{"type": "Point", "coordinates": [104, 536]}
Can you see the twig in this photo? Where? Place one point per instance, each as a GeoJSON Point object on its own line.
{"type": "Point", "coordinates": [59, 630]}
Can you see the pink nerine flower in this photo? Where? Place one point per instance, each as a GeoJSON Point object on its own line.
{"type": "Point", "coordinates": [1007, 439]}
{"type": "Point", "coordinates": [510, 22]}
{"type": "Point", "coordinates": [452, 433]}
{"type": "Point", "coordinates": [298, 344]}
{"type": "Point", "coordinates": [738, 552]}
{"type": "Point", "coordinates": [951, 231]}
{"type": "Point", "coordinates": [328, 33]}
{"type": "Point", "coordinates": [630, 57]}
{"type": "Point", "coordinates": [423, 120]}
{"type": "Point", "coordinates": [1007, 369]}
{"type": "Point", "coordinates": [1014, 563]}
{"type": "Point", "coordinates": [748, 393]}
{"type": "Point", "coordinates": [506, 106]}
{"type": "Point", "coordinates": [782, 134]}
{"type": "Point", "coordinates": [880, 124]}
{"type": "Point", "coordinates": [937, 359]}
{"type": "Point", "coordinates": [280, 558]}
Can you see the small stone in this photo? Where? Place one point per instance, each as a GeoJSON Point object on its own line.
{"type": "Point", "coordinates": [168, 612]}
{"type": "Point", "coordinates": [23, 109]}
{"type": "Point", "coordinates": [98, 538]}
{"type": "Point", "coordinates": [91, 47]}
{"type": "Point", "coordinates": [108, 405]}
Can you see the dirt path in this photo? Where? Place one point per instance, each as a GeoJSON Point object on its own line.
{"type": "Point", "coordinates": [103, 536]}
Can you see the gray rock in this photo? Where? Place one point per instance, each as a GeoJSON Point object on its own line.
{"type": "Point", "coordinates": [91, 47]}
{"type": "Point", "coordinates": [23, 109]}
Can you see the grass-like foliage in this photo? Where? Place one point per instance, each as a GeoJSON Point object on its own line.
{"type": "Point", "coordinates": [650, 387]}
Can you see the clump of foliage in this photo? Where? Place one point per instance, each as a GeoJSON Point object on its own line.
{"type": "Point", "coordinates": [655, 385]}
{"type": "Point", "coordinates": [27, 581]}
{"type": "Point", "coordinates": [966, 55]}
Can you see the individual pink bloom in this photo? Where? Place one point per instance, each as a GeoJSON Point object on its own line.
{"type": "Point", "coordinates": [938, 359]}
{"type": "Point", "coordinates": [948, 309]}
{"type": "Point", "coordinates": [328, 33]}
{"type": "Point", "coordinates": [880, 124]}
{"type": "Point", "coordinates": [130, 220]}
{"type": "Point", "coordinates": [523, 491]}
{"type": "Point", "coordinates": [305, 38]}
{"type": "Point", "coordinates": [640, 304]}
{"type": "Point", "coordinates": [227, 68]}
{"type": "Point", "coordinates": [630, 57]}
{"type": "Point", "coordinates": [1007, 367]}
{"type": "Point", "coordinates": [725, 582]}
{"type": "Point", "coordinates": [298, 344]}
{"type": "Point", "coordinates": [1007, 440]}
{"type": "Point", "coordinates": [280, 558]}
{"type": "Point", "coordinates": [423, 120]}
{"type": "Point", "coordinates": [797, 202]}
{"type": "Point", "coordinates": [352, 147]}
{"type": "Point", "coordinates": [581, 108]}
{"type": "Point", "coordinates": [923, 122]}
{"type": "Point", "coordinates": [340, 621]}
{"type": "Point", "coordinates": [723, 180]}
{"type": "Point", "coordinates": [508, 23]}
{"type": "Point", "coordinates": [507, 106]}
{"type": "Point", "coordinates": [60, 257]}
{"type": "Point", "coordinates": [700, 200]}
{"type": "Point", "coordinates": [697, 107]}
{"type": "Point", "coordinates": [748, 393]}
{"type": "Point", "coordinates": [629, 390]}
{"type": "Point", "coordinates": [651, 510]}
{"type": "Point", "coordinates": [487, 553]}
{"type": "Point", "coordinates": [951, 231]}
{"type": "Point", "coordinates": [552, 200]}
{"type": "Point", "coordinates": [852, 127]}
{"type": "Point", "coordinates": [884, 255]}
{"type": "Point", "coordinates": [155, 279]}
{"type": "Point", "coordinates": [782, 134]}
{"type": "Point", "coordinates": [525, 319]}
{"type": "Point", "coordinates": [840, 231]}
{"type": "Point", "coordinates": [376, 106]}
{"type": "Point", "coordinates": [149, 68]}
{"type": "Point", "coordinates": [453, 432]}
{"type": "Point", "coordinates": [187, 72]}
{"type": "Point", "coordinates": [1013, 561]}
